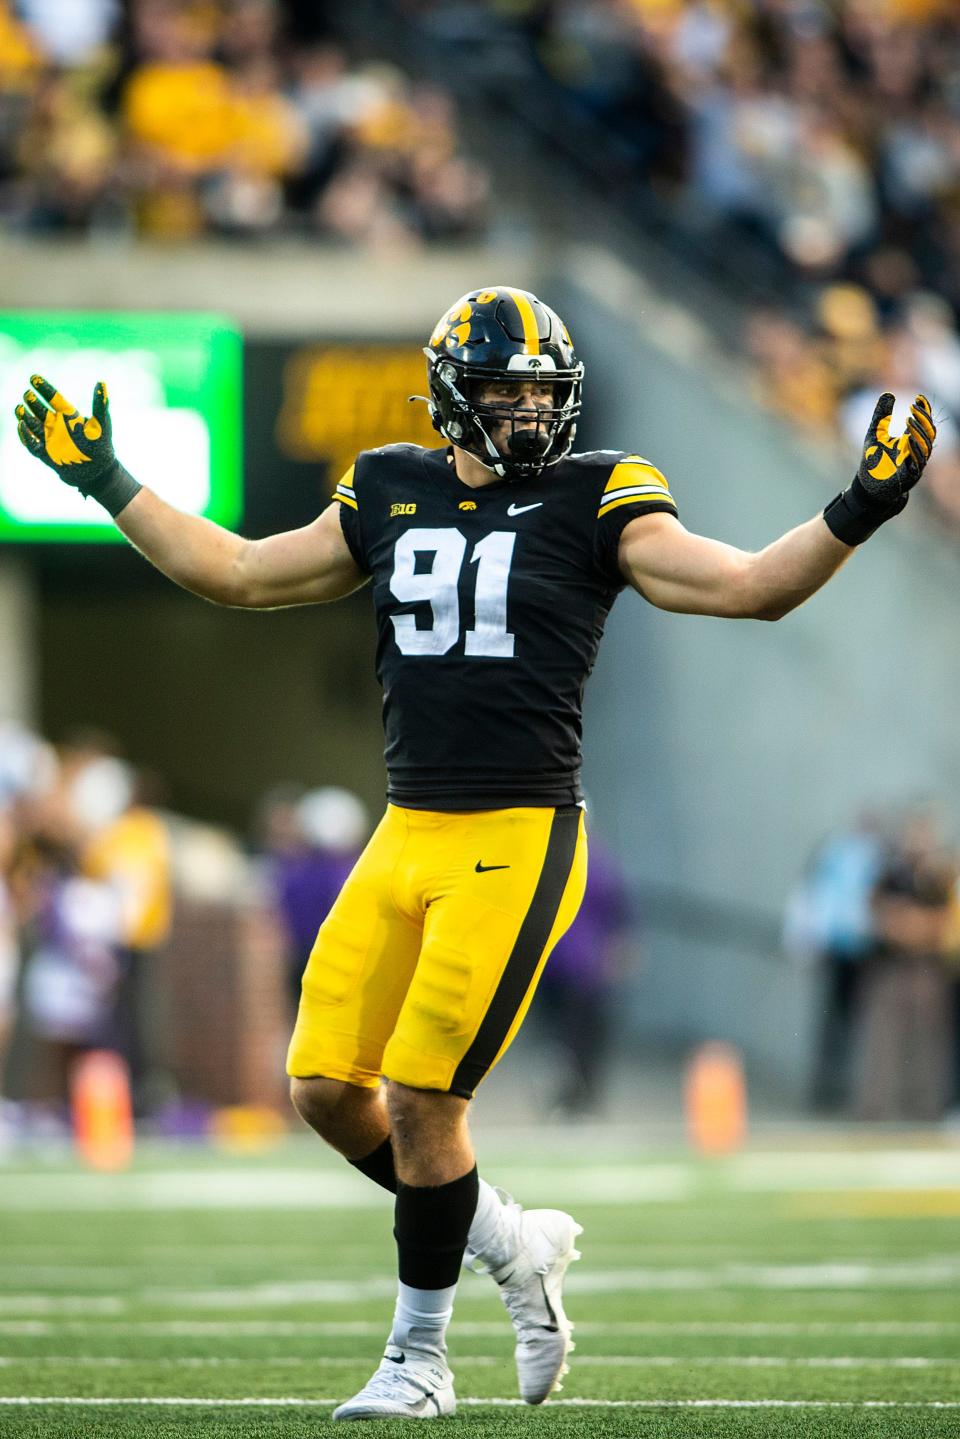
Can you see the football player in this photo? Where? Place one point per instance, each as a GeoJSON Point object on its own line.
{"type": "Point", "coordinates": [494, 561]}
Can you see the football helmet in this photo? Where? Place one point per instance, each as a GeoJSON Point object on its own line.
{"type": "Point", "coordinates": [499, 333]}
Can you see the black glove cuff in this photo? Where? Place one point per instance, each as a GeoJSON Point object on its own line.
{"type": "Point", "coordinates": [115, 490]}
{"type": "Point", "coordinates": [854, 514]}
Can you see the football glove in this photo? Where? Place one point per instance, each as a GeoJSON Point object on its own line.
{"type": "Point", "coordinates": [79, 450]}
{"type": "Point", "coordinates": [890, 466]}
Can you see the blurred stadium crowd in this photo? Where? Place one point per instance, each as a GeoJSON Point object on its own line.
{"type": "Point", "coordinates": [805, 152]}
{"type": "Point", "coordinates": [179, 118]}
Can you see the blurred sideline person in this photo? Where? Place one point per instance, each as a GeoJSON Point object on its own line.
{"type": "Point", "coordinates": [9, 959]}
{"type": "Point", "coordinates": [99, 808]}
{"type": "Point", "coordinates": [830, 920]}
{"type": "Point", "coordinates": [130, 850]}
{"type": "Point", "coordinates": [311, 842]}
{"type": "Point", "coordinates": [28, 767]}
{"type": "Point", "coordinates": [577, 991]}
{"type": "Point", "coordinates": [953, 971]}
{"type": "Point", "coordinates": [907, 1052]}
{"type": "Point", "coordinates": [495, 560]}
{"type": "Point", "coordinates": [69, 929]}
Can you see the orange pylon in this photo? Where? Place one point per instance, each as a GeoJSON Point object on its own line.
{"type": "Point", "coordinates": [102, 1109]}
{"type": "Point", "coordinates": [715, 1098]}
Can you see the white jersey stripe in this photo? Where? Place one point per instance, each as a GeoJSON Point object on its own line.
{"type": "Point", "coordinates": [621, 494]}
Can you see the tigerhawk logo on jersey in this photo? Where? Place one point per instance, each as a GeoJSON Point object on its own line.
{"type": "Point", "coordinates": [467, 505]}
{"type": "Point", "coordinates": [402, 510]}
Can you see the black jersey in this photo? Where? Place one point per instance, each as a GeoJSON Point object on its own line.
{"type": "Point", "coordinates": [490, 605]}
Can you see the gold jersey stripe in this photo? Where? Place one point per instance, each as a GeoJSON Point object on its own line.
{"type": "Point", "coordinates": [345, 500]}
{"type": "Point", "coordinates": [531, 332]}
{"type": "Point", "coordinates": [663, 499]}
{"type": "Point", "coordinates": [635, 471]}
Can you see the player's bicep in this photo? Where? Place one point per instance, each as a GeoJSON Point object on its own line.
{"type": "Point", "coordinates": [677, 570]}
{"type": "Point", "coordinates": [301, 567]}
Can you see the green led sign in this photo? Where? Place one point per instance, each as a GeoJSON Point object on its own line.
{"type": "Point", "coordinates": [175, 387]}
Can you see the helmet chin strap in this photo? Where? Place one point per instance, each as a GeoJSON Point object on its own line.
{"type": "Point", "coordinates": [496, 459]}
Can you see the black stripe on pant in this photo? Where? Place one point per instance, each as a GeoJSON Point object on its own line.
{"type": "Point", "coordinates": [525, 955]}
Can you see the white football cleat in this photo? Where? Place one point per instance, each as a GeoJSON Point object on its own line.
{"type": "Point", "coordinates": [531, 1287]}
{"type": "Point", "coordinates": [407, 1385]}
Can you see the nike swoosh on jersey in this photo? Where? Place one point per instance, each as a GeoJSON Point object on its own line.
{"type": "Point", "coordinates": [513, 510]}
{"type": "Point", "coordinates": [486, 868]}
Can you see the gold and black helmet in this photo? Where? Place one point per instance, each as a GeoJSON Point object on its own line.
{"type": "Point", "coordinates": [500, 333]}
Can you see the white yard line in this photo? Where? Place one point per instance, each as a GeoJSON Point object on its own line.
{"type": "Point", "coordinates": [613, 1361]}
{"type": "Point", "coordinates": [288, 1188]}
{"type": "Point", "coordinates": [239, 1189]}
{"type": "Point", "coordinates": [937, 1270]}
{"type": "Point", "coordinates": [283, 1361]}
{"type": "Point", "coordinates": [100, 1275]}
{"type": "Point", "coordinates": [933, 1273]}
{"type": "Point", "coordinates": [62, 1304]}
{"type": "Point", "coordinates": [292, 1328]}
{"type": "Point", "coordinates": [836, 1274]}
{"type": "Point", "coordinates": [299, 1403]}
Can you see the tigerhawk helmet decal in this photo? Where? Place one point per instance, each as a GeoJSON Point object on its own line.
{"type": "Point", "coordinates": [500, 333]}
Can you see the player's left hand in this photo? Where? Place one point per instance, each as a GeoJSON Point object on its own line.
{"type": "Point", "coordinates": [889, 468]}
{"type": "Point", "coordinates": [891, 465]}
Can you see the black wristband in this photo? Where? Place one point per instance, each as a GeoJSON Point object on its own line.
{"type": "Point", "coordinates": [853, 515]}
{"type": "Point", "coordinates": [115, 490]}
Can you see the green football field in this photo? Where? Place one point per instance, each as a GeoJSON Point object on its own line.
{"type": "Point", "coordinates": [788, 1291]}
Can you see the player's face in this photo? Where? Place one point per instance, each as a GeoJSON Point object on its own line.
{"type": "Point", "coordinates": [518, 404]}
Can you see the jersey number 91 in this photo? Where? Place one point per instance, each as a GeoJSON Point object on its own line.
{"type": "Point", "coordinates": [439, 587]}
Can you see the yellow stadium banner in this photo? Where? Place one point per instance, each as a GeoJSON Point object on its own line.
{"type": "Point", "coordinates": [338, 399]}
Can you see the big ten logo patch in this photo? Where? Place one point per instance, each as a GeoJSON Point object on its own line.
{"type": "Point", "coordinates": [340, 399]}
{"type": "Point", "coordinates": [402, 510]}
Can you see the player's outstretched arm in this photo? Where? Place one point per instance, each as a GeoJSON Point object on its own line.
{"type": "Point", "coordinates": [680, 571]}
{"type": "Point", "coordinates": [300, 567]}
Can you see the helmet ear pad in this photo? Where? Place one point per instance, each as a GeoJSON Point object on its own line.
{"type": "Point", "coordinates": [449, 408]}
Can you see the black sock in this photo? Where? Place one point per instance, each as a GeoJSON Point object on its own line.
{"type": "Point", "coordinates": [379, 1166]}
{"type": "Point", "coordinates": [431, 1228]}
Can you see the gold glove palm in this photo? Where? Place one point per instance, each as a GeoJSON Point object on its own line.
{"type": "Point", "coordinates": [77, 448]}
{"type": "Point", "coordinates": [891, 465]}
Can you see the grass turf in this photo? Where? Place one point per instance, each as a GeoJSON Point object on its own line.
{"type": "Point", "coordinates": [823, 1289]}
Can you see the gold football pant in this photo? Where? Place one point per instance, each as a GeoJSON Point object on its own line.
{"type": "Point", "coordinates": [427, 963]}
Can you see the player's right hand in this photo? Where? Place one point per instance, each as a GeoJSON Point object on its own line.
{"type": "Point", "coordinates": [78, 449]}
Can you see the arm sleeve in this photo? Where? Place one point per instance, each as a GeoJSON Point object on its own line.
{"type": "Point", "coordinates": [346, 496]}
{"type": "Point", "coordinates": [634, 487]}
